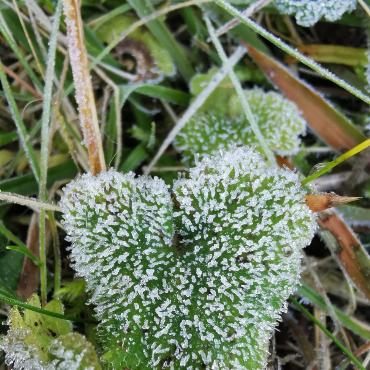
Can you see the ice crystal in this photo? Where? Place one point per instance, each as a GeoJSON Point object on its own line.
{"type": "Point", "coordinates": [193, 278]}
{"type": "Point", "coordinates": [38, 342]}
{"type": "Point", "coordinates": [308, 12]}
{"type": "Point", "coordinates": [279, 120]}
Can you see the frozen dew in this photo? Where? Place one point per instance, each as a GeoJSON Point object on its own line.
{"type": "Point", "coordinates": [308, 12]}
{"type": "Point", "coordinates": [193, 279]}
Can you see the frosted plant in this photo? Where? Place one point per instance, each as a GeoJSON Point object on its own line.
{"type": "Point", "coordinates": [308, 12]}
{"type": "Point", "coordinates": [38, 342]}
{"type": "Point", "coordinates": [213, 129]}
{"type": "Point", "coordinates": [193, 278]}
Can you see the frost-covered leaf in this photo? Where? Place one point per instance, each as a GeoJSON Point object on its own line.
{"type": "Point", "coordinates": [39, 342]}
{"type": "Point", "coordinates": [151, 59]}
{"type": "Point", "coordinates": [308, 12]}
{"type": "Point", "coordinates": [193, 279]}
{"type": "Point", "coordinates": [279, 120]}
{"type": "Point", "coordinates": [217, 101]}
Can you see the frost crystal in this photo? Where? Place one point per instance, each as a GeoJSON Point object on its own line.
{"type": "Point", "coordinates": [308, 12]}
{"type": "Point", "coordinates": [279, 120]}
{"type": "Point", "coordinates": [196, 280]}
{"type": "Point", "coordinates": [38, 342]}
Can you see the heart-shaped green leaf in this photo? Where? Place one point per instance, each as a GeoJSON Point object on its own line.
{"type": "Point", "coordinates": [193, 279]}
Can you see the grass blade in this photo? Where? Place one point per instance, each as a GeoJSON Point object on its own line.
{"type": "Point", "coordinates": [44, 155]}
{"type": "Point", "coordinates": [348, 322]}
{"type": "Point", "coordinates": [337, 161]}
{"type": "Point", "coordinates": [336, 341]}
{"type": "Point", "coordinates": [289, 50]}
{"type": "Point", "coordinates": [21, 128]}
{"type": "Point", "coordinates": [16, 302]}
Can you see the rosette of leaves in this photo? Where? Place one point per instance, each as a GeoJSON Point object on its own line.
{"type": "Point", "coordinates": [221, 123]}
{"type": "Point", "coordinates": [36, 341]}
{"type": "Point", "coordinates": [193, 277]}
{"type": "Point", "coordinates": [151, 61]}
{"type": "Point", "coordinates": [309, 12]}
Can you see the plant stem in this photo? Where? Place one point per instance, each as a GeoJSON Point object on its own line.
{"type": "Point", "coordinates": [350, 153]}
{"type": "Point", "coordinates": [15, 302]}
{"type": "Point", "coordinates": [338, 343]}
{"type": "Point", "coordinates": [44, 154]}
{"type": "Point", "coordinates": [83, 86]}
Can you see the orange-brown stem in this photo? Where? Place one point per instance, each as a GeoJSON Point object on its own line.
{"type": "Point", "coordinates": [83, 86]}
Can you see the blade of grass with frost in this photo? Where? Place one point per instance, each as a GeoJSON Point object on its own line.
{"type": "Point", "coordinates": [9, 38]}
{"type": "Point", "coordinates": [339, 344]}
{"type": "Point", "coordinates": [196, 104]}
{"type": "Point", "coordinates": [294, 53]}
{"type": "Point", "coordinates": [45, 121]}
{"type": "Point", "coordinates": [308, 293]}
{"type": "Point", "coordinates": [30, 43]}
{"type": "Point", "coordinates": [21, 128]}
{"type": "Point", "coordinates": [238, 88]}
{"type": "Point", "coordinates": [83, 86]}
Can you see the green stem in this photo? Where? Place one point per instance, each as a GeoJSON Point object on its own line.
{"type": "Point", "coordinates": [289, 50]}
{"type": "Point", "coordinates": [337, 342]}
{"type": "Point", "coordinates": [45, 119]}
{"type": "Point", "coordinates": [350, 153]}
{"type": "Point", "coordinates": [15, 302]}
{"type": "Point", "coordinates": [56, 250]}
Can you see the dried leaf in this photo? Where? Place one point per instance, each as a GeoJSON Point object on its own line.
{"type": "Point", "coordinates": [329, 124]}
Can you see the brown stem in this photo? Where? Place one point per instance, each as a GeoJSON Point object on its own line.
{"type": "Point", "coordinates": [83, 86]}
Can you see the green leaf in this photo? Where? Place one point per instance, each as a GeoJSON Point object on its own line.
{"type": "Point", "coordinates": [194, 277]}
